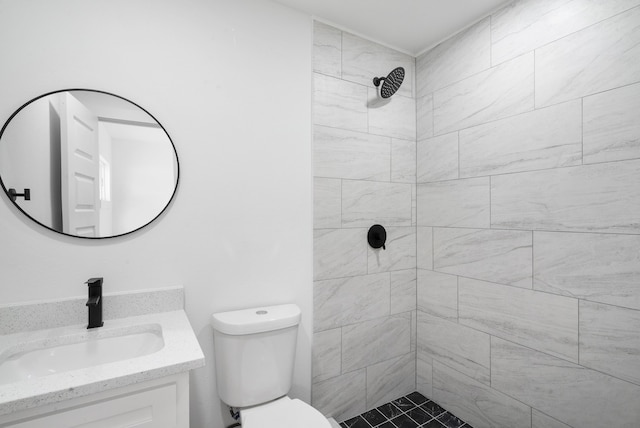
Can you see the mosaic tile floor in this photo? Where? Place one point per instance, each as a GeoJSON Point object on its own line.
{"type": "Point", "coordinates": [411, 411]}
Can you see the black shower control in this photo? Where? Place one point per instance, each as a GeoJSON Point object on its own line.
{"type": "Point", "coordinates": [377, 236]}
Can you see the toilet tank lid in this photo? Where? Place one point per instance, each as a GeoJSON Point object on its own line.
{"type": "Point", "coordinates": [256, 320]}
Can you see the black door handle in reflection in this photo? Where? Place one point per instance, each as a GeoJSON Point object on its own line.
{"type": "Point", "coordinates": [13, 194]}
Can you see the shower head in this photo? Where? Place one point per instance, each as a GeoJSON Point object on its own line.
{"type": "Point", "coordinates": [391, 83]}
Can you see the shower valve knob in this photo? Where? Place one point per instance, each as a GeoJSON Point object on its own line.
{"type": "Point", "coordinates": [377, 236]}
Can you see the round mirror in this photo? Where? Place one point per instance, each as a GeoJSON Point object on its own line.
{"type": "Point", "coordinates": [87, 163]}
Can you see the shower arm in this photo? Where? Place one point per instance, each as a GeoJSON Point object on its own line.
{"type": "Point", "coordinates": [378, 80]}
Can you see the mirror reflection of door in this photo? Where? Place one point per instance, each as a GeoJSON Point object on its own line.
{"type": "Point", "coordinates": [97, 165]}
{"type": "Point", "coordinates": [79, 168]}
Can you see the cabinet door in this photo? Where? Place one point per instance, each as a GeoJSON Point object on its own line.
{"type": "Point", "coordinates": [153, 408]}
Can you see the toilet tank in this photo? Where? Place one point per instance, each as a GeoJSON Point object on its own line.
{"type": "Point", "coordinates": [254, 353]}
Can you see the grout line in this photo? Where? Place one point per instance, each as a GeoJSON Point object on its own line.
{"type": "Point", "coordinates": [502, 174]}
{"type": "Point", "coordinates": [492, 229]}
{"type": "Point", "coordinates": [397, 183]}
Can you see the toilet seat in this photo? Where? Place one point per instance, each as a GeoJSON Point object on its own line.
{"type": "Point", "coordinates": [283, 413]}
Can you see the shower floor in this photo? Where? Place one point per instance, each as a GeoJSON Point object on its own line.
{"type": "Point", "coordinates": [411, 411]}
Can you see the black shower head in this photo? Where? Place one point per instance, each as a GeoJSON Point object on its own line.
{"type": "Point", "coordinates": [391, 83]}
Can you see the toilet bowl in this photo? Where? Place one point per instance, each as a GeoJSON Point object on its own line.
{"type": "Point", "coordinates": [283, 413]}
{"type": "Point", "coordinates": [254, 358]}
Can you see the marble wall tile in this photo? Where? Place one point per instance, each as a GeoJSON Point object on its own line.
{"type": "Point", "coordinates": [523, 26]}
{"type": "Point", "coordinates": [589, 198]}
{"type": "Point", "coordinates": [327, 200]}
{"type": "Point", "coordinates": [338, 153]}
{"type": "Point", "coordinates": [540, 420]}
{"type": "Point", "coordinates": [403, 161]}
{"type": "Point", "coordinates": [339, 302]}
{"type": "Point", "coordinates": [327, 49]}
{"type": "Point", "coordinates": [400, 252]}
{"type": "Point", "coordinates": [424, 375]}
{"type": "Point", "coordinates": [342, 397]}
{"type": "Point", "coordinates": [374, 341]}
{"type": "Point", "coordinates": [394, 117]}
{"type": "Point", "coordinates": [362, 60]}
{"type": "Point", "coordinates": [457, 346]}
{"type": "Point", "coordinates": [611, 125]}
{"type": "Point", "coordinates": [501, 91]}
{"type": "Point", "coordinates": [424, 247]}
{"type": "Point", "coordinates": [437, 158]}
{"type": "Point", "coordinates": [365, 203]}
{"type": "Point", "coordinates": [339, 252]}
{"type": "Point", "coordinates": [610, 340]}
{"type": "Point", "coordinates": [327, 354]}
{"type": "Point", "coordinates": [546, 138]}
{"type": "Point", "coordinates": [424, 113]}
{"type": "Point", "coordinates": [390, 379]}
{"type": "Point", "coordinates": [457, 58]}
{"type": "Point", "coordinates": [601, 57]}
{"type": "Point", "coordinates": [475, 402]}
{"type": "Point", "coordinates": [403, 291]}
{"type": "Point", "coordinates": [542, 321]}
{"type": "Point", "coordinates": [438, 294]}
{"type": "Point", "coordinates": [457, 203]}
{"type": "Point", "coordinates": [576, 395]}
{"type": "Point", "coordinates": [339, 104]}
{"type": "Point", "coordinates": [500, 256]}
{"type": "Point", "coordinates": [596, 267]}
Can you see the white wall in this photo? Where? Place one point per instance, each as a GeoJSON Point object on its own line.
{"type": "Point", "coordinates": [230, 81]}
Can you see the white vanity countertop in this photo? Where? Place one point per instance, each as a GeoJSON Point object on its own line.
{"type": "Point", "coordinates": [181, 352]}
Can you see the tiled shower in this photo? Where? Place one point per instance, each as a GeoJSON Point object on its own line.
{"type": "Point", "coordinates": [364, 168]}
{"type": "Point", "coordinates": [507, 173]}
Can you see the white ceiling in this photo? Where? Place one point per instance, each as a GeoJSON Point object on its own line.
{"type": "Point", "coordinates": [411, 26]}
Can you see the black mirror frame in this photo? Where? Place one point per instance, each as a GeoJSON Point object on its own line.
{"type": "Point", "coordinates": [12, 198]}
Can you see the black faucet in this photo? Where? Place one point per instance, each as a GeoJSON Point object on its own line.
{"type": "Point", "coordinates": [95, 302]}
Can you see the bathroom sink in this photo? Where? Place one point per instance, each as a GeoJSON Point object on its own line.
{"type": "Point", "coordinates": [78, 351]}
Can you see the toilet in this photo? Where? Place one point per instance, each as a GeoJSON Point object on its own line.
{"type": "Point", "coordinates": [255, 351]}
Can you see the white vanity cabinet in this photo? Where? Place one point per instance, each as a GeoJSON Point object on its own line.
{"type": "Point", "coordinates": [159, 403]}
{"type": "Point", "coordinates": [131, 373]}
